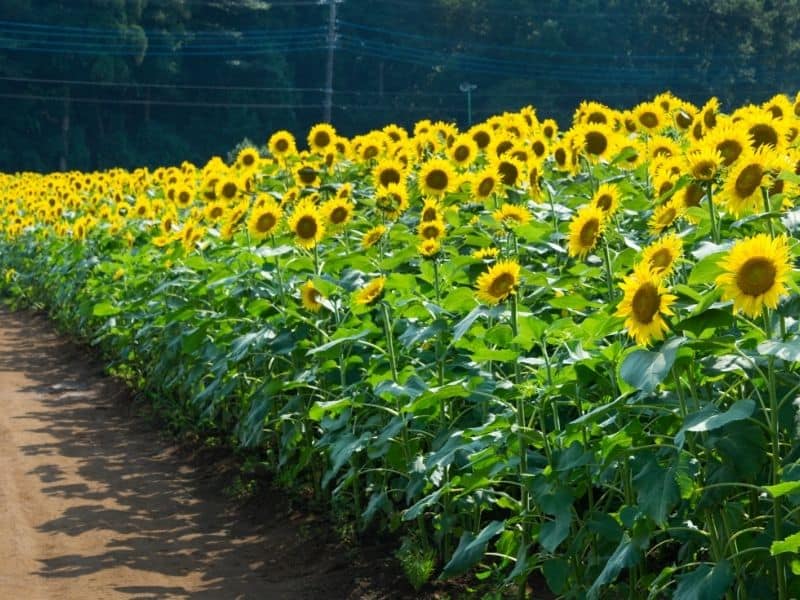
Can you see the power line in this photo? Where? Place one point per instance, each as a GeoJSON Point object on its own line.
{"type": "Point", "coordinates": [78, 82]}
{"type": "Point", "coordinates": [87, 100]}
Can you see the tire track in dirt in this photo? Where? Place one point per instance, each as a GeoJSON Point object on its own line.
{"type": "Point", "coordinates": [93, 504]}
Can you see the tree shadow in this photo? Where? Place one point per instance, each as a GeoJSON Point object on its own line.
{"type": "Point", "coordinates": [165, 515]}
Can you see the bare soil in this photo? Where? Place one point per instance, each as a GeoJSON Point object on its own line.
{"type": "Point", "coordinates": [96, 503]}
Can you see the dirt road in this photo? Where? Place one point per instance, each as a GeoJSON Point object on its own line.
{"type": "Point", "coordinates": [94, 504]}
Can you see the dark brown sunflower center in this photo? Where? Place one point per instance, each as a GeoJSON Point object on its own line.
{"type": "Point", "coordinates": [503, 147]}
{"type": "Point", "coordinates": [216, 212]}
{"type": "Point", "coordinates": [430, 232]}
{"type": "Point", "coordinates": [646, 303]}
{"type": "Point", "coordinates": [775, 111]}
{"type": "Point", "coordinates": [763, 134]}
{"type": "Point", "coordinates": [482, 139]}
{"type": "Point", "coordinates": [748, 180]}
{"type": "Point", "coordinates": [730, 150]}
{"type": "Point", "coordinates": [756, 276]}
{"type": "Point", "coordinates": [539, 148]}
{"type": "Point", "coordinates": [461, 153]}
{"type": "Point", "coordinates": [436, 180]}
{"type": "Point", "coordinates": [307, 175]}
{"type": "Point", "coordinates": [661, 260]}
{"type": "Point", "coordinates": [561, 156]}
{"type": "Point", "coordinates": [229, 189]}
{"type": "Point", "coordinates": [248, 160]}
{"type": "Point", "coordinates": [429, 214]}
{"type": "Point", "coordinates": [693, 195]}
{"type": "Point", "coordinates": [648, 119]}
{"type": "Point", "coordinates": [664, 188]}
{"type": "Point", "coordinates": [588, 234]}
{"type": "Point", "coordinates": [704, 169]}
{"type": "Point", "coordinates": [508, 172]}
{"type": "Point", "coordinates": [370, 152]}
{"type": "Point", "coordinates": [322, 139]}
{"type": "Point", "coordinates": [486, 186]}
{"type": "Point", "coordinates": [306, 227]}
{"type": "Point", "coordinates": [595, 142]}
{"type": "Point", "coordinates": [683, 119]}
{"type": "Point", "coordinates": [167, 224]}
{"type": "Point", "coordinates": [501, 285]}
{"type": "Point", "coordinates": [265, 222]}
{"type": "Point", "coordinates": [604, 202]}
{"type": "Point", "coordinates": [597, 117]}
{"type": "Point", "coordinates": [710, 119]}
{"type": "Point", "coordinates": [667, 217]}
{"type": "Point", "coordinates": [388, 176]}
{"type": "Point", "coordinates": [282, 145]}
{"type": "Point", "coordinates": [338, 215]}
{"type": "Point", "coordinates": [697, 131]}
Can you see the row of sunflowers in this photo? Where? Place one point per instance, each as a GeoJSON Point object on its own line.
{"type": "Point", "coordinates": [532, 353]}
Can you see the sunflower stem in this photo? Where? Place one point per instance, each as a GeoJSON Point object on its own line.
{"type": "Point", "coordinates": [278, 273]}
{"type": "Point", "coordinates": [768, 210]}
{"type": "Point", "coordinates": [316, 260]}
{"type": "Point", "coordinates": [609, 271]}
{"type": "Point", "coordinates": [712, 213]}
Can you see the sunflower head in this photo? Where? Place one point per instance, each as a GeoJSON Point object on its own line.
{"type": "Point", "coordinates": [282, 144]}
{"type": "Point", "coordinates": [665, 215]}
{"type": "Point", "coordinates": [387, 172]}
{"type": "Point", "coordinates": [431, 230]}
{"type": "Point", "coordinates": [704, 163]}
{"type": "Point", "coordinates": [464, 150]}
{"type": "Point", "coordinates": [585, 230]}
{"type": "Point", "coordinates": [649, 116]}
{"type": "Point", "coordinates": [372, 236]}
{"type": "Point", "coordinates": [437, 177]}
{"type": "Point", "coordinates": [247, 158]}
{"type": "Point", "coordinates": [265, 218]}
{"type": "Point", "coordinates": [607, 198]}
{"type": "Point", "coordinates": [512, 215]}
{"type": "Point", "coordinates": [499, 282]}
{"type": "Point", "coordinates": [644, 304]}
{"type": "Point", "coordinates": [484, 183]}
{"type": "Point", "coordinates": [429, 248]}
{"type": "Point", "coordinates": [756, 271]}
{"type": "Point", "coordinates": [307, 224]}
{"type": "Point", "coordinates": [751, 172]}
{"type": "Point", "coordinates": [310, 296]}
{"type": "Point", "coordinates": [337, 211]}
{"type": "Point", "coordinates": [321, 137]}
{"type": "Point", "coordinates": [662, 256]}
{"type": "Point", "coordinates": [372, 292]}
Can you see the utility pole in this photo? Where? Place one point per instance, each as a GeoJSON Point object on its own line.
{"type": "Point", "coordinates": [468, 88]}
{"type": "Point", "coordinates": [328, 104]}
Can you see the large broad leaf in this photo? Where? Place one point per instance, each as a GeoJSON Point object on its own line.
{"type": "Point", "coordinates": [783, 489]}
{"type": "Point", "coordinates": [709, 418]}
{"type": "Point", "coordinates": [657, 490]}
{"type": "Point", "coordinates": [789, 351]}
{"type": "Point", "coordinates": [105, 309]}
{"type": "Point", "coordinates": [338, 341]}
{"type": "Point", "coordinates": [627, 554]}
{"type": "Point", "coordinates": [705, 582]}
{"type": "Point", "coordinates": [556, 531]}
{"type": "Point", "coordinates": [644, 369]}
{"type": "Point", "coordinates": [789, 544]}
{"type": "Point", "coordinates": [471, 549]}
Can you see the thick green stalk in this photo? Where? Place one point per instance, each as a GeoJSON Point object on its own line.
{"type": "Point", "coordinates": [712, 213]}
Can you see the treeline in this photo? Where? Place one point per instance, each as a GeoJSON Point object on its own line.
{"type": "Point", "coordinates": [89, 84]}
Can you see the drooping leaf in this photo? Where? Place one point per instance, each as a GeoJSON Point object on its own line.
{"type": "Point", "coordinates": [471, 549]}
{"type": "Point", "coordinates": [705, 582]}
{"type": "Point", "coordinates": [645, 369]}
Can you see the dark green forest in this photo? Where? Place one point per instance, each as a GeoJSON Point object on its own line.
{"type": "Point", "coordinates": [92, 84]}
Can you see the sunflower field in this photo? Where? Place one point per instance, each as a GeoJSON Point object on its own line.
{"type": "Point", "coordinates": [533, 354]}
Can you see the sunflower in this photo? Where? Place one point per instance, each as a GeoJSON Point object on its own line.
{"type": "Point", "coordinates": [756, 272]}
{"type": "Point", "coordinates": [393, 200]}
{"type": "Point", "coordinates": [708, 114]}
{"type": "Point", "coordinates": [321, 137]}
{"type": "Point", "coordinates": [499, 282]}
{"type": "Point", "coordinates": [282, 144]}
{"type": "Point", "coordinates": [486, 253]}
{"type": "Point", "coordinates": [549, 128]}
{"type": "Point", "coordinates": [729, 139]}
{"type": "Point", "coordinates": [371, 292]}
{"type": "Point", "coordinates": [683, 115]}
{"type": "Point", "coordinates": [511, 170]}
{"type": "Point", "coordinates": [372, 236]}
{"type": "Point", "coordinates": [247, 158]}
{"type": "Point", "coordinates": [764, 130]}
{"type": "Point", "coordinates": [500, 146]}
{"type": "Point", "coordinates": [596, 142]}
{"type": "Point", "coordinates": [431, 210]}
{"type": "Point", "coordinates": [429, 248]}
{"type": "Point", "coordinates": [665, 215]}
{"type": "Point", "coordinates": [485, 183]}
{"type": "Point", "coordinates": [228, 188]}
{"type": "Point", "coordinates": [337, 211]}
{"type": "Point", "coordinates": [644, 304]}
{"type": "Point", "coordinates": [310, 296]}
{"type": "Point", "coordinates": [704, 163]}
{"type": "Point", "coordinates": [482, 135]}
{"type": "Point", "coordinates": [183, 195]}
{"type": "Point", "coordinates": [464, 150]}
{"type": "Point", "coordinates": [191, 234]}
{"type": "Point", "coordinates": [511, 215]}
{"type": "Point", "coordinates": [606, 198]}
{"type": "Point", "coordinates": [431, 230]}
{"type": "Point", "coordinates": [742, 189]}
{"type": "Point", "coordinates": [662, 255]}
{"type": "Point", "coordinates": [436, 177]}
{"type": "Point", "coordinates": [307, 224]}
{"type": "Point", "coordinates": [565, 158]}
{"type": "Point", "coordinates": [690, 195]}
{"type": "Point", "coordinates": [649, 116]}
{"type": "Point", "coordinates": [585, 230]}
{"type": "Point", "coordinates": [395, 132]}
{"type": "Point", "coordinates": [535, 179]}
{"type": "Point", "coordinates": [264, 219]}
{"type": "Point", "coordinates": [306, 175]}
{"type": "Point", "coordinates": [387, 172]}
{"type": "Point", "coordinates": [215, 211]}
